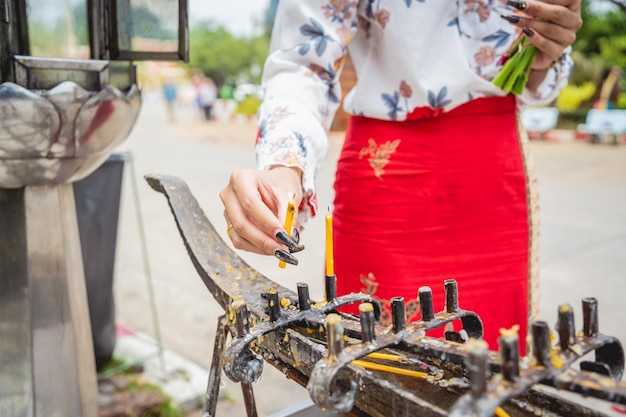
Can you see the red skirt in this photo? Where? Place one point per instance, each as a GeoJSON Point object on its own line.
{"type": "Point", "coordinates": [421, 201]}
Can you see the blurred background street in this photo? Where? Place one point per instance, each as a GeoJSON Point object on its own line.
{"type": "Point", "coordinates": [198, 123]}
{"type": "Point", "coordinates": [582, 242]}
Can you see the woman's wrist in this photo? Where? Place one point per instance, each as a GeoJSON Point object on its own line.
{"type": "Point", "coordinates": [536, 77]}
{"type": "Point", "coordinates": [296, 172]}
{"type": "Point", "coordinates": [291, 176]}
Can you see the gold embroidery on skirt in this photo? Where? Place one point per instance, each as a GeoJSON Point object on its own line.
{"type": "Point", "coordinates": [379, 155]}
{"type": "Point", "coordinates": [532, 196]}
{"type": "Point", "coordinates": [370, 286]}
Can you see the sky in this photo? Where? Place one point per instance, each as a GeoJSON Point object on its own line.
{"type": "Point", "coordinates": [238, 16]}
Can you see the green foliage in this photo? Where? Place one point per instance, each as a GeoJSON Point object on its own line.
{"type": "Point", "coordinates": [586, 69]}
{"type": "Point", "coordinates": [613, 50]}
{"type": "Point", "coordinates": [597, 23]}
{"type": "Point", "coordinates": [602, 32]}
{"type": "Point", "coordinates": [135, 383]}
{"type": "Point", "coordinates": [49, 37]}
{"type": "Point", "coordinates": [166, 409]}
{"type": "Point", "coordinates": [600, 44]}
{"type": "Point", "coordinates": [225, 58]}
{"type": "Point", "coordinates": [115, 366]}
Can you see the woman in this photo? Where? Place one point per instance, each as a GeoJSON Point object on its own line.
{"type": "Point", "coordinates": [432, 182]}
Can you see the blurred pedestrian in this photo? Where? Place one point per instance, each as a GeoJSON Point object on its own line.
{"type": "Point", "coordinates": [609, 90]}
{"type": "Point", "coordinates": [170, 92]}
{"type": "Point", "coordinates": [207, 94]}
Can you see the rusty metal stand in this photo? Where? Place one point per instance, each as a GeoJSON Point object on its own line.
{"type": "Point", "coordinates": [335, 355]}
{"type": "Point", "coordinates": [248, 398]}
{"type": "Point", "coordinates": [215, 375]}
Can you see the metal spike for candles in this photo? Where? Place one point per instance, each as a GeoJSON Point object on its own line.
{"type": "Point", "coordinates": [426, 303]}
{"type": "Point", "coordinates": [304, 301]}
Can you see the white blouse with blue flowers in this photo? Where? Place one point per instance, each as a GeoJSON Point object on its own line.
{"type": "Point", "coordinates": [407, 54]}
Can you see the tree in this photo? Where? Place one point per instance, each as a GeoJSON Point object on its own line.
{"type": "Point", "coordinates": [600, 45]}
{"type": "Point", "coordinates": [601, 41]}
{"type": "Point", "coordinates": [598, 26]}
{"type": "Point", "coordinates": [223, 57]}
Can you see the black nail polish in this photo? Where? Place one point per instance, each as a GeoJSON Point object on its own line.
{"type": "Point", "coordinates": [298, 248]}
{"type": "Point", "coordinates": [295, 234]}
{"type": "Point", "coordinates": [510, 18]}
{"type": "Point", "coordinates": [519, 5]}
{"type": "Point", "coordinates": [528, 32]}
{"type": "Point", "coordinates": [285, 257]}
{"type": "Point", "coordinates": [284, 238]}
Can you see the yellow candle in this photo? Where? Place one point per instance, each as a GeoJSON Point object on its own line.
{"type": "Point", "coordinates": [386, 368]}
{"type": "Point", "coordinates": [330, 262]}
{"type": "Point", "coordinates": [291, 209]}
{"type": "Point", "coordinates": [499, 412]}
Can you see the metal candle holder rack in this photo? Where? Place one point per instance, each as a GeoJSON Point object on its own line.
{"type": "Point", "coordinates": [458, 375]}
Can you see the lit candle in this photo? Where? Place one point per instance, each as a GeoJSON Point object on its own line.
{"type": "Point", "coordinates": [330, 262]}
{"type": "Point", "coordinates": [291, 209]}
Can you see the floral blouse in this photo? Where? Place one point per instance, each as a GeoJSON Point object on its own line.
{"type": "Point", "coordinates": [408, 55]}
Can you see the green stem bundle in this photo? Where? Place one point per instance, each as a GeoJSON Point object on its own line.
{"type": "Point", "coordinates": [513, 75]}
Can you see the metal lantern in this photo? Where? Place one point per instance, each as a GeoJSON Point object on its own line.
{"type": "Point", "coordinates": [68, 97]}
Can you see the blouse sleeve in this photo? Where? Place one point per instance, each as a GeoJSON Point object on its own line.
{"type": "Point", "coordinates": [301, 82]}
{"type": "Point", "coordinates": [556, 78]}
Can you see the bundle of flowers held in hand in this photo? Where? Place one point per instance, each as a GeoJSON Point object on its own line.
{"type": "Point", "coordinates": [516, 65]}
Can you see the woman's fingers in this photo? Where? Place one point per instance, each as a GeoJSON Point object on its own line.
{"type": "Point", "coordinates": [244, 244]}
{"type": "Point", "coordinates": [241, 243]}
{"type": "Point", "coordinates": [265, 206]}
{"type": "Point", "coordinates": [251, 205]}
{"type": "Point", "coordinates": [564, 13]}
{"type": "Point", "coordinates": [550, 25]}
{"type": "Point", "coordinates": [244, 233]}
{"type": "Point", "coordinates": [240, 200]}
{"type": "Point", "coordinates": [549, 49]}
{"type": "Point", "coordinates": [255, 198]}
{"type": "Point", "coordinates": [573, 5]}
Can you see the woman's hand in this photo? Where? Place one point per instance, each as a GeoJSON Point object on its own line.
{"type": "Point", "coordinates": [550, 25]}
{"type": "Point", "coordinates": [255, 204]}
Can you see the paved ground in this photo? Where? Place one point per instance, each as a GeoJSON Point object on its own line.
{"type": "Point", "coordinates": [583, 236]}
